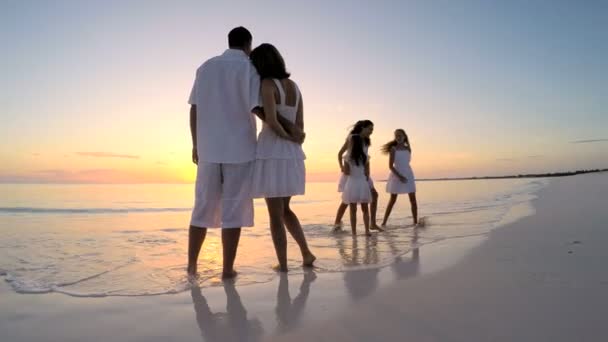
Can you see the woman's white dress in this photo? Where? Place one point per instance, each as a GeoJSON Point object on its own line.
{"type": "Point", "coordinates": [402, 163]}
{"type": "Point", "coordinates": [279, 167]}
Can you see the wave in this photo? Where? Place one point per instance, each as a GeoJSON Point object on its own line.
{"type": "Point", "coordinates": [123, 210]}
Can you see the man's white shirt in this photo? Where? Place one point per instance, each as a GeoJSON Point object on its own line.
{"type": "Point", "coordinates": [225, 91]}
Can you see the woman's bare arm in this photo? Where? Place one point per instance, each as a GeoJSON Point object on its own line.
{"type": "Point", "coordinates": [270, 109]}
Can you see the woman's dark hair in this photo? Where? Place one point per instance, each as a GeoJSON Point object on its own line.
{"type": "Point", "coordinates": [268, 62]}
{"type": "Point", "coordinates": [357, 154]}
{"type": "Point", "coordinates": [386, 148]}
{"type": "Point", "coordinates": [359, 126]}
{"type": "Point", "coordinates": [239, 37]}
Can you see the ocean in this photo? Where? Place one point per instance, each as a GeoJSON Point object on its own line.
{"type": "Point", "coordinates": [131, 240]}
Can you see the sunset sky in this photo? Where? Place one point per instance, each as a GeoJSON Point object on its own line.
{"type": "Point", "coordinates": [96, 91]}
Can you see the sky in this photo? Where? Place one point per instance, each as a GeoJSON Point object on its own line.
{"type": "Point", "coordinates": [96, 91]}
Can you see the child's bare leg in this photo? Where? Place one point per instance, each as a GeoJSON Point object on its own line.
{"type": "Point", "coordinates": [414, 205]}
{"type": "Point", "coordinates": [339, 215]}
{"type": "Point", "coordinates": [365, 210]}
{"type": "Point", "coordinates": [353, 217]}
{"type": "Point", "coordinates": [389, 208]}
{"type": "Point", "coordinates": [373, 209]}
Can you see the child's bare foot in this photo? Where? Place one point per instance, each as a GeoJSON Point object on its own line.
{"type": "Point", "coordinates": [229, 274]}
{"type": "Point", "coordinates": [279, 268]}
{"type": "Point", "coordinates": [310, 276]}
{"type": "Point", "coordinates": [376, 227]}
{"type": "Point", "coordinates": [308, 260]}
{"type": "Point", "coordinates": [191, 270]}
{"type": "Point", "coordinates": [193, 279]}
{"type": "Point", "coordinates": [421, 222]}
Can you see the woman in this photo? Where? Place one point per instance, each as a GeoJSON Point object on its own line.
{"type": "Point", "coordinates": [279, 171]}
{"type": "Point", "coordinates": [364, 128]}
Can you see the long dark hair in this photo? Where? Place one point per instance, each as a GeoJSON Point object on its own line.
{"type": "Point", "coordinates": [357, 154]}
{"type": "Point", "coordinates": [268, 62]}
{"type": "Point", "coordinates": [386, 148]}
{"type": "Point", "coordinates": [359, 126]}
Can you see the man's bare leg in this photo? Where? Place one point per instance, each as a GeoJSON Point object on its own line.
{"type": "Point", "coordinates": [196, 237]}
{"type": "Point", "coordinates": [230, 243]}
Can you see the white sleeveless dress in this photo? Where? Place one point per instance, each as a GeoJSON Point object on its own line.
{"type": "Point", "coordinates": [279, 167]}
{"type": "Point", "coordinates": [356, 188]}
{"type": "Point", "coordinates": [343, 177]}
{"type": "Point", "coordinates": [402, 164]}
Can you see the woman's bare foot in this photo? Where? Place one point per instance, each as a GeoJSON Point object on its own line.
{"type": "Point", "coordinates": [229, 274]}
{"type": "Point", "coordinates": [308, 260]}
{"type": "Point", "coordinates": [337, 227]}
{"type": "Point", "coordinates": [278, 268]}
{"type": "Point", "coordinates": [368, 233]}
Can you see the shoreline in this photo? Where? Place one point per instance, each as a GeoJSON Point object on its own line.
{"type": "Point", "coordinates": [443, 291]}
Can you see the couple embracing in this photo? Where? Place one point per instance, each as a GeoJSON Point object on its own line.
{"type": "Point", "coordinates": [233, 167]}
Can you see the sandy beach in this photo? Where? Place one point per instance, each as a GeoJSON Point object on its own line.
{"type": "Point", "coordinates": [541, 278]}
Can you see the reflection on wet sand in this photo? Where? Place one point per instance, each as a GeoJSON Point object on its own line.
{"type": "Point", "coordinates": [289, 312]}
{"type": "Point", "coordinates": [406, 268]}
{"type": "Point", "coordinates": [228, 326]}
{"type": "Point", "coordinates": [361, 279]}
{"type": "Point", "coordinates": [360, 282]}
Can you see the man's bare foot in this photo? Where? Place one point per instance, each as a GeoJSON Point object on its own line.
{"type": "Point", "coordinates": [308, 260]}
{"type": "Point", "coordinates": [278, 268]}
{"type": "Point", "coordinates": [229, 274]}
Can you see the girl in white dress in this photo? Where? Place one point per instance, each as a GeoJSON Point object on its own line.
{"type": "Point", "coordinates": [364, 128]}
{"type": "Point", "coordinates": [279, 171]}
{"type": "Point", "coordinates": [356, 189]}
{"type": "Point", "coordinates": [401, 179]}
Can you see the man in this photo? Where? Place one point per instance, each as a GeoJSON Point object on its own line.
{"type": "Point", "coordinates": [225, 92]}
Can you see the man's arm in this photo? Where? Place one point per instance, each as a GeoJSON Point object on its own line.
{"type": "Point", "coordinates": [193, 133]}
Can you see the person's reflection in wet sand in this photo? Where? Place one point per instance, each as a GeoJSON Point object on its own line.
{"type": "Point", "coordinates": [289, 312]}
{"type": "Point", "coordinates": [362, 282]}
{"type": "Point", "coordinates": [232, 325]}
{"type": "Point", "coordinates": [408, 267]}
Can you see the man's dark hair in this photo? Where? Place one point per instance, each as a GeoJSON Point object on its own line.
{"type": "Point", "coordinates": [239, 37]}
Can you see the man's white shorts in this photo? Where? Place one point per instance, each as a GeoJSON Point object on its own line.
{"type": "Point", "coordinates": [223, 195]}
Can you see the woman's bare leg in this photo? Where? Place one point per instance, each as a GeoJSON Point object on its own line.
{"type": "Point", "coordinates": [295, 229]}
{"type": "Point", "coordinates": [277, 230]}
